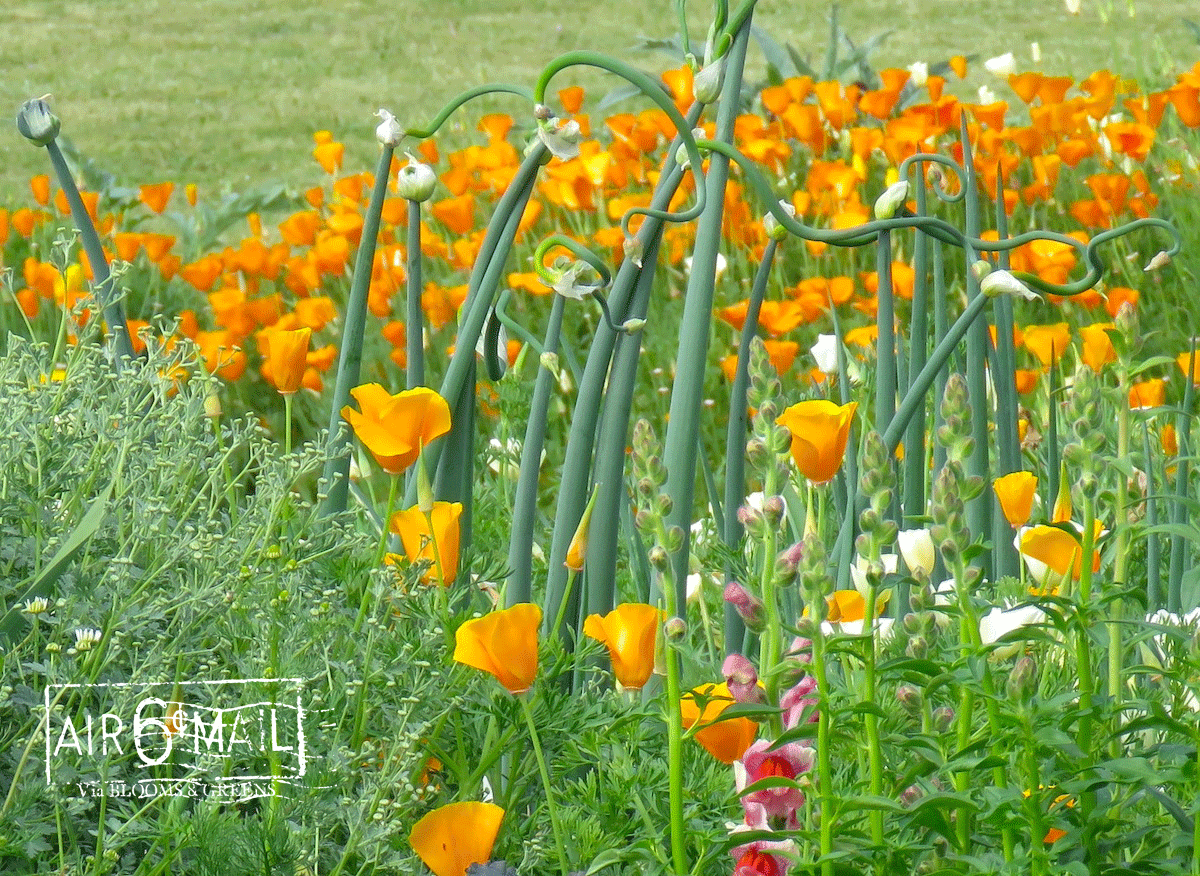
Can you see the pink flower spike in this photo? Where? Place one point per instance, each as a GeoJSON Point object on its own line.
{"type": "Point", "coordinates": [761, 761]}
{"type": "Point", "coordinates": [742, 679]}
{"type": "Point", "coordinates": [771, 857]}
{"type": "Point", "coordinates": [749, 607]}
{"type": "Point", "coordinates": [799, 699]}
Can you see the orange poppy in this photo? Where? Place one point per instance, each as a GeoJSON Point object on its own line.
{"type": "Point", "coordinates": [395, 427]}
{"type": "Point", "coordinates": [820, 430]}
{"type": "Point", "coordinates": [421, 542]}
{"type": "Point", "coordinates": [504, 644]}
{"type": "Point", "coordinates": [725, 740]}
{"type": "Point", "coordinates": [286, 355]}
{"type": "Point", "coordinates": [1015, 492]}
{"type": "Point", "coordinates": [452, 838]}
{"type": "Point", "coordinates": [629, 632]}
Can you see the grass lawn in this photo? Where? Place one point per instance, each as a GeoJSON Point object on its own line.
{"type": "Point", "coordinates": [227, 94]}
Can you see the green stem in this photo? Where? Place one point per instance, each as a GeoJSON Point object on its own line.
{"type": "Point", "coordinates": [114, 313]}
{"type": "Point", "coordinates": [414, 326]}
{"type": "Point", "coordinates": [560, 845]}
{"type": "Point", "coordinates": [287, 423]}
{"type": "Point", "coordinates": [336, 476]}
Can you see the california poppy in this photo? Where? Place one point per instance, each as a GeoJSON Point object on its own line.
{"type": "Point", "coordinates": [629, 632]}
{"type": "Point", "coordinates": [820, 430]}
{"type": "Point", "coordinates": [503, 643]}
{"type": "Point", "coordinates": [725, 740]}
{"type": "Point", "coordinates": [1015, 492]}
{"type": "Point", "coordinates": [287, 351]}
{"type": "Point", "coordinates": [452, 838]}
{"type": "Point", "coordinates": [420, 543]}
{"type": "Point", "coordinates": [395, 427]}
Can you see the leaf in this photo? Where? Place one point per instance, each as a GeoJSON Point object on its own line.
{"type": "Point", "coordinates": [44, 581]}
{"type": "Point", "coordinates": [779, 60]}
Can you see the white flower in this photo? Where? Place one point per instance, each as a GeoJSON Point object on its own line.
{"type": "Point", "coordinates": [1073, 6]}
{"type": "Point", "coordinates": [389, 132]}
{"type": "Point", "coordinates": [986, 95]}
{"type": "Point", "coordinates": [87, 638]}
{"type": "Point", "coordinates": [885, 628]}
{"type": "Point", "coordinates": [1002, 65]}
{"type": "Point", "coordinates": [916, 546]}
{"type": "Point", "coordinates": [919, 73]}
{"type": "Point", "coordinates": [824, 353]}
{"type": "Point", "coordinates": [569, 285]}
{"type": "Point", "coordinates": [998, 623]}
{"type": "Point", "coordinates": [37, 605]}
{"type": "Point", "coordinates": [1035, 53]}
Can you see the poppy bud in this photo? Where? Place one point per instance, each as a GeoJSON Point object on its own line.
{"type": "Point", "coordinates": [36, 122]}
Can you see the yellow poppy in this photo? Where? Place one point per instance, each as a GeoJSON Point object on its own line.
{"type": "Point", "coordinates": [452, 838]}
{"type": "Point", "coordinates": [1098, 349]}
{"type": "Point", "coordinates": [503, 643]}
{"type": "Point", "coordinates": [1047, 342]}
{"type": "Point", "coordinates": [286, 353]}
{"type": "Point", "coordinates": [820, 430]}
{"type": "Point", "coordinates": [629, 632]}
{"type": "Point", "coordinates": [1061, 552]}
{"type": "Point", "coordinates": [1015, 492]}
{"type": "Point", "coordinates": [395, 427]}
{"type": "Point", "coordinates": [420, 542]}
{"type": "Point", "coordinates": [726, 740]}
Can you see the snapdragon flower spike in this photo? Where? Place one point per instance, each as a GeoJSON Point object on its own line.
{"type": "Point", "coordinates": [764, 761]}
{"type": "Point", "coordinates": [762, 857]}
{"type": "Point", "coordinates": [749, 607]}
{"type": "Point", "coordinates": [800, 700]}
{"type": "Point", "coordinates": [742, 679]}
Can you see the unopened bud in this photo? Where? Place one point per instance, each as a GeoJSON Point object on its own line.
{"type": "Point", "coordinates": [909, 697]}
{"type": "Point", "coordinates": [36, 122]}
{"type": "Point", "coordinates": [415, 181]}
{"type": "Point", "coordinates": [659, 558]}
{"type": "Point", "coordinates": [1022, 681]}
{"type": "Point", "coordinates": [212, 406]}
{"type": "Point", "coordinates": [749, 607]}
{"type": "Point", "coordinates": [633, 324]}
{"type": "Point", "coordinates": [706, 85]}
{"type": "Point", "coordinates": [675, 629]}
{"type": "Point", "coordinates": [943, 718]}
{"type": "Point", "coordinates": [772, 226]}
{"type": "Point", "coordinates": [891, 200]}
{"type": "Point", "coordinates": [389, 132]}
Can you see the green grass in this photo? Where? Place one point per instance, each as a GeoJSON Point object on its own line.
{"type": "Point", "coordinates": [227, 94]}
